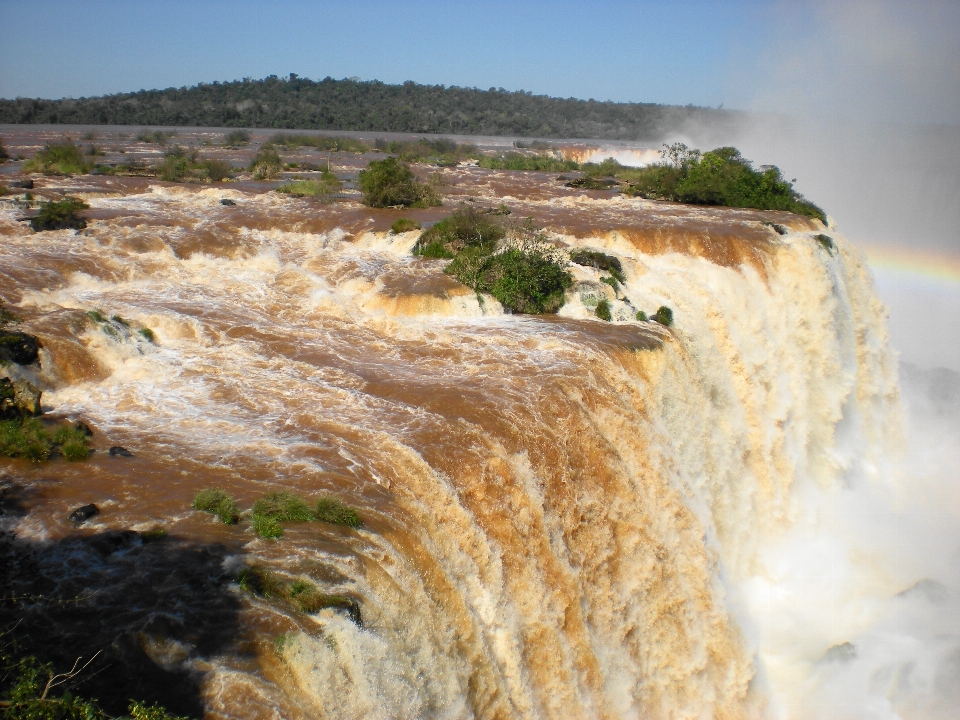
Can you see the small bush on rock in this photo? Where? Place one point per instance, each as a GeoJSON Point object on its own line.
{"type": "Point", "coordinates": [63, 158]}
{"type": "Point", "coordinates": [390, 182]}
{"type": "Point", "coordinates": [603, 310]}
{"type": "Point", "coordinates": [664, 316]}
{"type": "Point", "coordinates": [404, 225]}
{"type": "Point", "coordinates": [60, 215]}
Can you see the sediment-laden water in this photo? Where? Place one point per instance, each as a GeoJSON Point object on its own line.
{"type": "Point", "coordinates": [562, 517]}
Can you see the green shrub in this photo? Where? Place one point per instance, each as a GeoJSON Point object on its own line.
{"type": "Point", "coordinates": [60, 215]}
{"type": "Point", "coordinates": [63, 158]}
{"type": "Point", "coordinates": [333, 511]}
{"type": "Point", "coordinates": [26, 438]}
{"type": "Point", "coordinates": [467, 227]}
{"type": "Point", "coordinates": [826, 242]}
{"type": "Point", "coordinates": [603, 310]}
{"type": "Point", "coordinates": [148, 334]}
{"type": "Point", "coordinates": [235, 138]}
{"type": "Point", "coordinates": [216, 170]}
{"type": "Point", "coordinates": [664, 316]}
{"type": "Point", "coordinates": [641, 316]}
{"type": "Point", "coordinates": [219, 503]}
{"type": "Point", "coordinates": [390, 182]}
{"type": "Point", "coordinates": [325, 186]}
{"type": "Point", "coordinates": [612, 282]}
{"type": "Point", "coordinates": [404, 225]}
{"type": "Point", "coordinates": [600, 261]}
{"type": "Point", "coordinates": [97, 316]}
{"type": "Point", "coordinates": [267, 164]}
{"type": "Point", "coordinates": [719, 177]}
{"type": "Point", "coordinates": [528, 278]}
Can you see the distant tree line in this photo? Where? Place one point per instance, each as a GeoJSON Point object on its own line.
{"type": "Point", "coordinates": [300, 103]}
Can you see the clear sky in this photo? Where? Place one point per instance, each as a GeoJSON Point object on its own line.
{"type": "Point", "coordinates": [890, 60]}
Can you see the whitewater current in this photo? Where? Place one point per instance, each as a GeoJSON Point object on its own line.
{"type": "Point", "coordinates": [563, 518]}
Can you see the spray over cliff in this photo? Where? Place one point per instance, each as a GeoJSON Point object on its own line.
{"type": "Point", "coordinates": [562, 517]}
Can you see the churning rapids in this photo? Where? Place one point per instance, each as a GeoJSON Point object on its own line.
{"type": "Point", "coordinates": [562, 517]}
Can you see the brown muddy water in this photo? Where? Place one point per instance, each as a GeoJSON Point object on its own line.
{"type": "Point", "coordinates": [558, 512]}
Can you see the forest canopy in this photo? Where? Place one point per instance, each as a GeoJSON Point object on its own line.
{"type": "Point", "coordinates": [300, 103]}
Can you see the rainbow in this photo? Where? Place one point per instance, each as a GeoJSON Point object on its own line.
{"type": "Point", "coordinates": [939, 265]}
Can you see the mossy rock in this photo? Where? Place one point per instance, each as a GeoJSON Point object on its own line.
{"type": "Point", "coordinates": [18, 347]}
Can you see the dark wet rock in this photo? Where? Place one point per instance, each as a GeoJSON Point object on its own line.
{"type": "Point", "coordinates": [117, 451]}
{"type": "Point", "coordinates": [87, 598]}
{"type": "Point", "coordinates": [227, 201]}
{"type": "Point", "coordinates": [24, 184]}
{"type": "Point", "coordinates": [595, 259]}
{"type": "Point", "coordinates": [18, 347]}
{"type": "Point", "coordinates": [83, 427]}
{"type": "Point", "coordinates": [84, 513]}
{"type": "Point", "coordinates": [114, 541]}
{"type": "Point", "coordinates": [845, 652]}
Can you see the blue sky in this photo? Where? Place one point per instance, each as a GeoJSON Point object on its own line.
{"type": "Point", "coordinates": [680, 52]}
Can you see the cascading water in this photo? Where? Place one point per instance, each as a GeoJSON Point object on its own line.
{"type": "Point", "coordinates": [563, 518]}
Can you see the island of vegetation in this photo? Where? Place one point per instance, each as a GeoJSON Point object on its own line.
{"type": "Point", "coordinates": [328, 104]}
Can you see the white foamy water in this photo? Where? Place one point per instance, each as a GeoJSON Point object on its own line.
{"type": "Point", "coordinates": [563, 518]}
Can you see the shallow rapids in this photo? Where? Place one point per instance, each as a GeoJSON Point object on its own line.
{"type": "Point", "coordinates": [562, 517]}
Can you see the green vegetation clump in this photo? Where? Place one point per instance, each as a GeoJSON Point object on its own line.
{"type": "Point", "coordinates": [301, 594]}
{"type": "Point", "coordinates": [536, 163]}
{"type": "Point", "coordinates": [404, 225]}
{"type": "Point", "coordinates": [320, 142]}
{"type": "Point", "coordinates": [719, 177]}
{"type": "Point", "coordinates": [185, 165]}
{"type": "Point", "coordinates": [278, 507]}
{"type": "Point", "coordinates": [603, 310]}
{"type": "Point", "coordinates": [25, 438]}
{"type": "Point", "coordinates": [158, 137]}
{"type": "Point", "coordinates": [219, 503]}
{"type": "Point", "coordinates": [73, 442]}
{"type": "Point", "coordinates": [441, 151]}
{"type": "Point", "coordinates": [324, 186]}
{"type": "Point", "coordinates": [7, 317]}
{"type": "Point", "coordinates": [467, 227]}
{"type": "Point", "coordinates": [826, 242]}
{"type": "Point", "coordinates": [63, 158]}
{"type": "Point", "coordinates": [333, 511]}
{"type": "Point", "coordinates": [4, 154]}
{"type": "Point", "coordinates": [664, 316]}
{"type": "Point", "coordinates": [267, 165]}
{"type": "Point", "coordinates": [600, 261]}
{"type": "Point", "coordinates": [148, 334]}
{"type": "Point", "coordinates": [390, 182]}
{"type": "Point", "coordinates": [60, 215]}
{"type": "Point", "coordinates": [31, 690]}
{"type": "Point", "coordinates": [235, 138]}
{"type": "Point", "coordinates": [526, 276]}
{"type": "Point", "coordinates": [641, 316]}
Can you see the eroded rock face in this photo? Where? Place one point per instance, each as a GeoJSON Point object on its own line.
{"type": "Point", "coordinates": [18, 347]}
{"type": "Point", "coordinates": [18, 398]}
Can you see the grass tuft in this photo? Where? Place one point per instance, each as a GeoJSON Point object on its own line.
{"type": "Point", "coordinates": [25, 438]}
{"type": "Point", "coordinates": [404, 225]}
{"type": "Point", "coordinates": [332, 510]}
{"type": "Point", "coordinates": [219, 503]}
